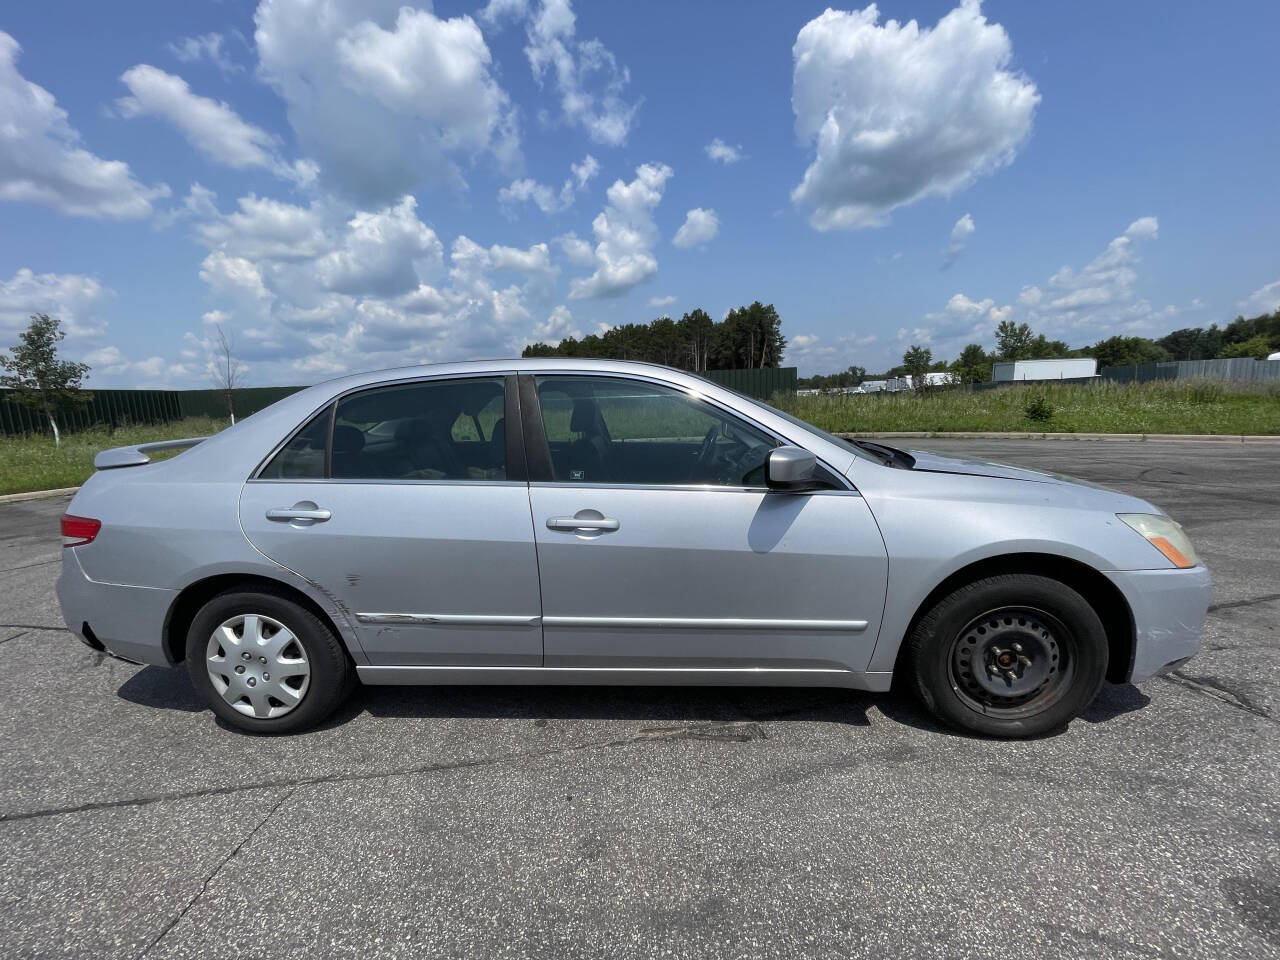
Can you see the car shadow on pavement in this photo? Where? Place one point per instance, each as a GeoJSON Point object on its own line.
{"type": "Point", "coordinates": [642, 704]}
{"type": "Point", "coordinates": [162, 688]}
{"type": "Point", "coordinates": [1115, 700]}
{"type": "Point", "coordinates": [169, 688]}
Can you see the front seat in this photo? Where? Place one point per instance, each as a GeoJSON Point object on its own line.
{"type": "Point", "coordinates": [348, 443]}
{"type": "Point", "coordinates": [590, 454]}
{"type": "Point", "coordinates": [427, 444]}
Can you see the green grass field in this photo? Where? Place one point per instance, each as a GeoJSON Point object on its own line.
{"type": "Point", "coordinates": [1157, 407]}
{"type": "Point", "coordinates": [34, 463]}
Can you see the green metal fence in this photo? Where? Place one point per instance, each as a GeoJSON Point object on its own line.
{"type": "Point", "coordinates": [112, 408]}
{"type": "Point", "coordinates": [119, 408]}
{"type": "Point", "coordinates": [759, 382]}
{"type": "Point", "coordinates": [245, 400]}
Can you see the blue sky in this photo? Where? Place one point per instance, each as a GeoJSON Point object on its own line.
{"type": "Point", "coordinates": [347, 185]}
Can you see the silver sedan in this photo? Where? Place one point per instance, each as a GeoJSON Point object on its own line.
{"type": "Point", "coordinates": [596, 522]}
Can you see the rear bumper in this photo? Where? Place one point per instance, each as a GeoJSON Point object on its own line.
{"type": "Point", "coordinates": [1168, 607]}
{"type": "Point", "coordinates": [126, 622]}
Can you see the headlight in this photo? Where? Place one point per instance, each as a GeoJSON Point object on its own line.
{"type": "Point", "coordinates": [1165, 535]}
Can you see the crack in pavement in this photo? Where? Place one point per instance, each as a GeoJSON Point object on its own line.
{"type": "Point", "coordinates": [1234, 604]}
{"type": "Point", "coordinates": [1217, 690]}
{"type": "Point", "coordinates": [15, 636]}
{"type": "Point", "coordinates": [28, 566]}
{"type": "Point", "coordinates": [216, 870]}
{"type": "Point", "coordinates": [1102, 939]}
{"type": "Point", "coordinates": [32, 626]}
{"type": "Point", "coordinates": [725, 731]}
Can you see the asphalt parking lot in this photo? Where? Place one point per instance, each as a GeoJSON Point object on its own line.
{"type": "Point", "coordinates": [505, 822]}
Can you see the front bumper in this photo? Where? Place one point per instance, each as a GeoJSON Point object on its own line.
{"type": "Point", "coordinates": [1168, 607]}
{"type": "Point", "coordinates": [128, 622]}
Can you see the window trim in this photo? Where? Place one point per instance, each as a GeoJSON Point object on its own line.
{"type": "Point", "coordinates": [506, 376]}
{"type": "Point", "coordinates": [541, 470]}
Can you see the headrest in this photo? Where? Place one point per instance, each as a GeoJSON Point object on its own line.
{"type": "Point", "coordinates": [585, 417]}
{"type": "Point", "coordinates": [411, 431]}
{"type": "Point", "coordinates": [347, 439]}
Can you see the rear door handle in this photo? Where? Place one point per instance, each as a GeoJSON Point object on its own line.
{"type": "Point", "coordinates": [574, 524]}
{"type": "Point", "coordinates": [314, 514]}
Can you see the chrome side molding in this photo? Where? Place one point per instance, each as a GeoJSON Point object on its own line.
{"type": "Point", "coordinates": [448, 619]}
{"type": "Point", "coordinates": [705, 623]}
{"type": "Point", "coordinates": [613, 623]}
{"type": "Point", "coordinates": [623, 676]}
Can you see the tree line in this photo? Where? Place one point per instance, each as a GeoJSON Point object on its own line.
{"type": "Point", "coordinates": [1255, 337]}
{"type": "Point", "coordinates": [749, 336]}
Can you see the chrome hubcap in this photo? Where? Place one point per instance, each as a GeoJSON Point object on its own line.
{"type": "Point", "coordinates": [258, 666]}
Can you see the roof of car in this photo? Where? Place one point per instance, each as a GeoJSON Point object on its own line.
{"type": "Point", "coordinates": [508, 363]}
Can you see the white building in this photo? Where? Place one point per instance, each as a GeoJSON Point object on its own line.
{"type": "Point", "coordinates": [940, 378]}
{"type": "Point", "coordinates": [1019, 370]}
{"type": "Point", "coordinates": [882, 386]}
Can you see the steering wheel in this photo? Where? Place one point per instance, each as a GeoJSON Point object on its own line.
{"type": "Point", "coordinates": [706, 455]}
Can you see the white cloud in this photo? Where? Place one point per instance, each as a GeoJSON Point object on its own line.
{"type": "Point", "coordinates": [385, 253]}
{"type": "Point", "coordinates": [898, 112]}
{"type": "Point", "coordinates": [1144, 228]}
{"type": "Point", "coordinates": [814, 355]}
{"type": "Point", "coordinates": [1098, 300]}
{"type": "Point", "coordinates": [960, 234]}
{"type": "Point", "coordinates": [1030, 295]}
{"type": "Point", "coordinates": [587, 76]}
{"type": "Point", "coordinates": [660, 302]}
{"type": "Point", "coordinates": [210, 126]}
{"type": "Point", "coordinates": [1265, 299]}
{"type": "Point", "coordinates": [207, 46]}
{"type": "Point", "coordinates": [542, 196]}
{"type": "Point", "coordinates": [384, 97]}
{"type": "Point", "coordinates": [235, 277]}
{"type": "Point", "coordinates": [317, 292]}
{"type": "Point", "coordinates": [722, 152]}
{"type": "Point", "coordinates": [70, 297]}
{"type": "Point", "coordinates": [261, 229]}
{"type": "Point", "coordinates": [558, 325]}
{"type": "Point", "coordinates": [700, 227]}
{"type": "Point", "coordinates": [583, 172]}
{"type": "Point", "coordinates": [42, 160]}
{"type": "Point", "coordinates": [496, 11]}
{"type": "Point", "coordinates": [576, 250]}
{"type": "Point", "coordinates": [625, 234]}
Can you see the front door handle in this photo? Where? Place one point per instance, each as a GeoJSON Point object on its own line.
{"type": "Point", "coordinates": [574, 524]}
{"type": "Point", "coordinates": [300, 511]}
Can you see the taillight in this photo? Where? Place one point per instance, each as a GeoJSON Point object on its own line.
{"type": "Point", "coordinates": [77, 531]}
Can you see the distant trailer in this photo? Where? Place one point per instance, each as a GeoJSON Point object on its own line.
{"type": "Point", "coordinates": [1020, 370]}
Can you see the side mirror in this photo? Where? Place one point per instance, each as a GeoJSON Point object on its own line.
{"type": "Point", "coordinates": [790, 468]}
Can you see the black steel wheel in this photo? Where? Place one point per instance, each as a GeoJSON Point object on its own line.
{"type": "Point", "coordinates": [1014, 655]}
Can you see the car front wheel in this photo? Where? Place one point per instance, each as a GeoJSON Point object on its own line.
{"type": "Point", "coordinates": [265, 663]}
{"type": "Point", "coordinates": [1014, 655]}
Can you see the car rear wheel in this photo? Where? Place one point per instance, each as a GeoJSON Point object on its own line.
{"type": "Point", "coordinates": [1014, 655]}
{"type": "Point", "coordinates": [265, 663]}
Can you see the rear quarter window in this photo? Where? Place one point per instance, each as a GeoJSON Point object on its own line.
{"type": "Point", "coordinates": [302, 458]}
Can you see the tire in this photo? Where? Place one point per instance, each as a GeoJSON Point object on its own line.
{"type": "Point", "coordinates": [1014, 655]}
{"type": "Point", "coordinates": [312, 671]}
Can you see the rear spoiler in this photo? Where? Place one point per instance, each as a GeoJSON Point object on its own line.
{"type": "Point", "coordinates": [136, 456]}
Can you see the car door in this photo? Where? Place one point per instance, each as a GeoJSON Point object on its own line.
{"type": "Point", "coordinates": [407, 503]}
{"type": "Point", "coordinates": [659, 545]}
